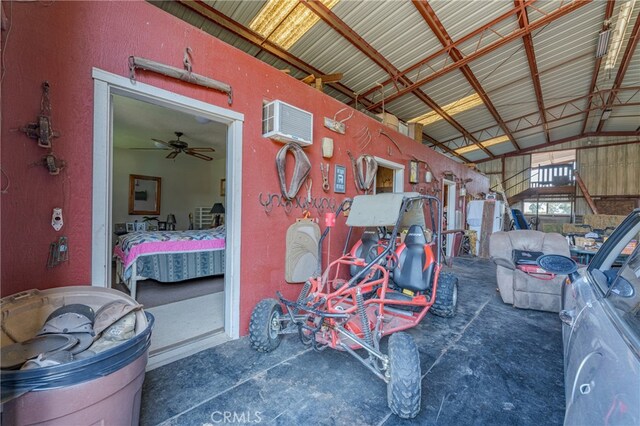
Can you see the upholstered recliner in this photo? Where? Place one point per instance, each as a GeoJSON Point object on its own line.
{"type": "Point", "coordinates": [517, 287]}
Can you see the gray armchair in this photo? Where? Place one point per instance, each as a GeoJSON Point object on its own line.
{"type": "Point", "coordinates": [517, 287]}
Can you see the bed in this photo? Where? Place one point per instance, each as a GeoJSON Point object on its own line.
{"type": "Point", "coordinates": [169, 256]}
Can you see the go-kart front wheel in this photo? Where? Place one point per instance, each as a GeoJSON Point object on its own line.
{"type": "Point", "coordinates": [446, 296]}
{"type": "Point", "coordinates": [265, 325]}
{"type": "Point", "coordinates": [405, 379]}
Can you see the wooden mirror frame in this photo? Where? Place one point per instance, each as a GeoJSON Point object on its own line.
{"type": "Point", "coordinates": [132, 194]}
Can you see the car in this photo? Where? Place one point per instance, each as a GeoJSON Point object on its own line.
{"type": "Point", "coordinates": [601, 333]}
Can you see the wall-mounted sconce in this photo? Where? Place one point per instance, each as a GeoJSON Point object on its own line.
{"type": "Point", "coordinates": [428, 177]}
{"type": "Point", "coordinates": [463, 191]}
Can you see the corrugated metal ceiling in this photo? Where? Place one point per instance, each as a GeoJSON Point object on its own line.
{"type": "Point", "coordinates": [564, 49]}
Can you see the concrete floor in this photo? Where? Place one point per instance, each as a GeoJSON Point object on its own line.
{"type": "Point", "coordinates": [490, 364]}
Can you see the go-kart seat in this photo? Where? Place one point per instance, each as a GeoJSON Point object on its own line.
{"type": "Point", "coordinates": [363, 249]}
{"type": "Point", "coordinates": [416, 262]}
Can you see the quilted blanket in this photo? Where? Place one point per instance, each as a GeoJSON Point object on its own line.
{"type": "Point", "coordinates": [135, 244]}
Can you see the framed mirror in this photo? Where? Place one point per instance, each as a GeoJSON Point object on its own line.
{"type": "Point", "coordinates": [144, 194]}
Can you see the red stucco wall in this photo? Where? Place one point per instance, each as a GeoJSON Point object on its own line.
{"type": "Point", "coordinates": [60, 42]}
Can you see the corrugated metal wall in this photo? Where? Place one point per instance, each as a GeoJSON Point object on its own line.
{"type": "Point", "coordinates": [606, 171]}
{"type": "Point", "coordinates": [512, 166]}
{"type": "Point", "coordinates": [611, 170]}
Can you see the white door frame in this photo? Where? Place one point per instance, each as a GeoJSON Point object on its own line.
{"type": "Point", "coordinates": [105, 85]}
{"type": "Point", "coordinates": [398, 172]}
{"type": "Point", "coordinates": [451, 211]}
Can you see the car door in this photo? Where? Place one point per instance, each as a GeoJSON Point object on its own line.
{"type": "Point", "coordinates": [601, 333]}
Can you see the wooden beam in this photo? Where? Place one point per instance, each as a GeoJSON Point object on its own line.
{"type": "Point", "coordinates": [585, 192]}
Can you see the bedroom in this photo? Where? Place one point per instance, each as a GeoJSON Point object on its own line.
{"type": "Point", "coordinates": [187, 187]}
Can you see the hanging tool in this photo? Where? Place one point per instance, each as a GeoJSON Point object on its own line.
{"type": "Point", "coordinates": [42, 130]}
{"type": "Point", "coordinates": [325, 176]}
{"type": "Point", "coordinates": [382, 132]}
{"type": "Point", "coordinates": [336, 125]}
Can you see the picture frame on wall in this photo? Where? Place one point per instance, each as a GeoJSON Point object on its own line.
{"type": "Point", "coordinates": [413, 171]}
{"type": "Point", "coordinates": [223, 187]}
{"type": "Point", "coordinates": [340, 179]}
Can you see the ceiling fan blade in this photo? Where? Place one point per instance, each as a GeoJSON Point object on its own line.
{"type": "Point", "coordinates": [173, 154]}
{"type": "Point", "coordinates": [197, 155]}
{"type": "Point", "coordinates": [162, 142]}
{"type": "Point", "coordinates": [149, 149]}
{"type": "Point", "coordinates": [201, 149]}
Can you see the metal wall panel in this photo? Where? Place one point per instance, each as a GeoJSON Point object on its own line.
{"type": "Point", "coordinates": [610, 170]}
{"type": "Point", "coordinates": [477, 118]}
{"type": "Point", "coordinates": [395, 29]}
{"type": "Point", "coordinates": [448, 88]}
{"type": "Point", "coordinates": [516, 99]}
{"type": "Point", "coordinates": [565, 128]}
{"type": "Point", "coordinates": [359, 71]}
{"type": "Point", "coordinates": [462, 17]}
{"type": "Point", "coordinates": [580, 28]}
{"type": "Point", "coordinates": [240, 11]}
{"type": "Point", "coordinates": [441, 131]}
{"type": "Point", "coordinates": [623, 118]}
{"type": "Point", "coordinates": [532, 139]}
{"type": "Point", "coordinates": [632, 77]}
{"type": "Point", "coordinates": [568, 81]}
{"type": "Point", "coordinates": [502, 67]}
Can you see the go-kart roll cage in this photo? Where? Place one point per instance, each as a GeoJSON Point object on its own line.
{"type": "Point", "coordinates": [299, 322]}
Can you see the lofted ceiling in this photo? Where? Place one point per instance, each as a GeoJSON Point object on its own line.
{"type": "Point", "coordinates": [498, 77]}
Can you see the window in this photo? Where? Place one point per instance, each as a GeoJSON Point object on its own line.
{"type": "Point", "coordinates": [559, 208]}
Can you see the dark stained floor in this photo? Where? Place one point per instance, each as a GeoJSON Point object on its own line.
{"type": "Point", "coordinates": [491, 364]}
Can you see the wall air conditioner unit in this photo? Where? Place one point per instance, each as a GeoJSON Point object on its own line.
{"type": "Point", "coordinates": [286, 123]}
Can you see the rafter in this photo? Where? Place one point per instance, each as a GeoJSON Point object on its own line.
{"type": "Point", "coordinates": [359, 43]}
{"type": "Point", "coordinates": [523, 22]}
{"type": "Point", "coordinates": [215, 16]}
{"type": "Point", "coordinates": [436, 26]}
{"type": "Point", "coordinates": [624, 65]}
{"type": "Point", "coordinates": [480, 52]}
{"type": "Point", "coordinates": [515, 123]}
{"type": "Point", "coordinates": [571, 139]}
{"type": "Point", "coordinates": [444, 147]}
{"type": "Point", "coordinates": [475, 33]}
{"type": "Point", "coordinates": [596, 68]}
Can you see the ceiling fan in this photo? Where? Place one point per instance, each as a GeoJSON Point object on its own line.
{"type": "Point", "coordinates": [179, 146]}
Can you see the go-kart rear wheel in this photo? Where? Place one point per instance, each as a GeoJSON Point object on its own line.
{"type": "Point", "coordinates": [446, 296]}
{"type": "Point", "coordinates": [265, 325]}
{"type": "Point", "coordinates": [405, 380]}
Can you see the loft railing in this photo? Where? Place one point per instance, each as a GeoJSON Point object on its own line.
{"type": "Point", "coordinates": [543, 176]}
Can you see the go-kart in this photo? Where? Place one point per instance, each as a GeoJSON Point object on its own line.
{"type": "Point", "coordinates": [380, 287]}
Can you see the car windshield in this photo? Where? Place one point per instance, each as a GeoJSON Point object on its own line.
{"type": "Point", "coordinates": [617, 273]}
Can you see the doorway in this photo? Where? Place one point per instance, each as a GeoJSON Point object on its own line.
{"type": "Point", "coordinates": [109, 87]}
{"type": "Point", "coordinates": [449, 212]}
{"type": "Point", "coordinates": [389, 177]}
